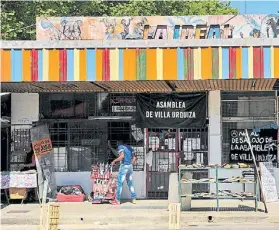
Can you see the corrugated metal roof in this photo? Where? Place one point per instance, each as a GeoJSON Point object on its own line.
{"type": "Point", "coordinates": [141, 86]}
{"type": "Point", "coordinates": [44, 87]}
{"type": "Point", "coordinates": [228, 85]}
{"type": "Point", "coordinates": [135, 86]}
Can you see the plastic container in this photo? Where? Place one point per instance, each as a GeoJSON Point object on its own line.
{"type": "Point", "coordinates": [61, 197]}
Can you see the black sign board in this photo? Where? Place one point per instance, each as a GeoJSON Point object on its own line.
{"type": "Point", "coordinates": [264, 145]}
{"type": "Point", "coordinates": [118, 105]}
{"type": "Point", "coordinates": [171, 110]}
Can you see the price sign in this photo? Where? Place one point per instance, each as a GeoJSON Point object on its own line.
{"type": "Point", "coordinates": [42, 147]}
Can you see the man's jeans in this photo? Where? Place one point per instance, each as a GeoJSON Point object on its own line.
{"type": "Point", "coordinates": [125, 171]}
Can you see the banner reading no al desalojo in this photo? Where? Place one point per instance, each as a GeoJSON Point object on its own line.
{"type": "Point", "coordinates": [264, 145]}
{"type": "Point", "coordinates": [171, 110]}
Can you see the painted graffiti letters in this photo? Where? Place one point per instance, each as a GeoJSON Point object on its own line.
{"type": "Point", "coordinates": [262, 144]}
{"type": "Point", "coordinates": [158, 27]}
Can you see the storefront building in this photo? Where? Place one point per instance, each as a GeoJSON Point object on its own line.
{"type": "Point", "coordinates": [166, 89]}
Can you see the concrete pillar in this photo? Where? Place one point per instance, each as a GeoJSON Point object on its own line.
{"type": "Point", "coordinates": [214, 131]}
{"type": "Point", "coordinates": [24, 108]}
{"type": "Point", "coordinates": [24, 111]}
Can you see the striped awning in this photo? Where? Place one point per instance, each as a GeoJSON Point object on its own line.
{"type": "Point", "coordinates": [141, 86]}
{"type": "Point", "coordinates": [226, 85]}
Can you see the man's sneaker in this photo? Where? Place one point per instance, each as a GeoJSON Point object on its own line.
{"type": "Point", "coordinates": [134, 201]}
{"type": "Point", "coordinates": [115, 202]}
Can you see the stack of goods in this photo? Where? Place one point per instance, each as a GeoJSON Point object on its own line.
{"type": "Point", "coordinates": [222, 194]}
{"type": "Point", "coordinates": [236, 179]}
{"type": "Point", "coordinates": [71, 193]}
{"type": "Point", "coordinates": [235, 166]}
{"type": "Point", "coordinates": [241, 195]}
{"type": "Point", "coordinates": [200, 166]}
{"type": "Point", "coordinates": [201, 195]}
{"type": "Point", "coordinates": [103, 185]}
{"type": "Point", "coordinates": [186, 180]}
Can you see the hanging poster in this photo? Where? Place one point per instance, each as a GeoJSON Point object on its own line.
{"type": "Point", "coordinates": [171, 110]}
{"type": "Point", "coordinates": [264, 145]}
{"type": "Point", "coordinates": [42, 147]}
{"type": "Point", "coordinates": [268, 182]}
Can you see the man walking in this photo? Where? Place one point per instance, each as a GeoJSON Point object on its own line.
{"type": "Point", "coordinates": [127, 158]}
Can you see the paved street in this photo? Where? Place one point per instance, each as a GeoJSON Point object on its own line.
{"type": "Point", "coordinates": [145, 215]}
{"type": "Point", "coordinates": [158, 227]}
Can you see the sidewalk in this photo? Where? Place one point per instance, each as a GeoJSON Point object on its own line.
{"type": "Point", "coordinates": [142, 215]}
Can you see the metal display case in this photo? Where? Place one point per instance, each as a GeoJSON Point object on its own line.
{"type": "Point", "coordinates": [218, 182]}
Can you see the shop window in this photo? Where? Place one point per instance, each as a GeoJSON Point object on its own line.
{"type": "Point", "coordinates": [20, 145]}
{"type": "Point", "coordinates": [58, 133]}
{"type": "Point", "coordinates": [67, 105]}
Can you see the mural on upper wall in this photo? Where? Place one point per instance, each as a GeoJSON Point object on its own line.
{"type": "Point", "coordinates": [158, 27]}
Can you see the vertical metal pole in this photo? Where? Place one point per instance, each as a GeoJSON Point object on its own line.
{"type": "Point", "coordinates": [255, 163]}
{"type": "Point", "coordinates": [217, 188]}
{"type": "Point", "coordinates": [8, 149]}
{"type": "Point", "coordinates": [245, 7]}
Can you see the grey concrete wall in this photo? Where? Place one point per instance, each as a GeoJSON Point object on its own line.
{"type": "Point", "coordinates": [24, 108]}
{"type": "Point", "coordinates": [140, 43]}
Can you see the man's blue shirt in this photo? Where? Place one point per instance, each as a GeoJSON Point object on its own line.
{"type": "Point", "coordinates": [128, 154]}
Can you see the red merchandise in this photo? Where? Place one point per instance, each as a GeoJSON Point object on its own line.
{"type": "Point", "coordinates": [103, 185]}
{"type": "Point", "coordinates": [71, 193]}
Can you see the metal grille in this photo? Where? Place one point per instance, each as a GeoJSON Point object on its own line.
{"type": "Point", "coordinates": [245, 110]}
{"type": "Point", "coordinates": [131, 135]}
{"type": "Point", "coordinates": [164, 156]}
{"type": "Point", "coordinates": [194, 146]}
{"type": "Point", "coordinates": [167, 149]}
{"type": "Point", "coordinates": [77, 144]}
{"type": "Point", "coordinates": [20, 145]}
{"type": "Point", "coordinates": [194, 150]}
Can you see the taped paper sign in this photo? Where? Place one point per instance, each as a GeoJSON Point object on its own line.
{"type": "Point", "coordinates": [42, 147]}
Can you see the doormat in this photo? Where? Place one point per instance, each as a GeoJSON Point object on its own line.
{"type": "Point", "coordinates": [144, 207]}
{"type": "Point", "coordinates": [18, 211]}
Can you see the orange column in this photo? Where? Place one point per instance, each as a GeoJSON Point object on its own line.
{"type": "Point", "coordinates": [151, 70]}
{"type": "Point", "coordinates": [6, 65]}
{"type": "Point", "coordinates": [276, 62]}
{"type": "Point", "coordinates": [129, 64]}
{"type": "Point", "coordinates": [26, 65]}
{"type": "Point", "coordinates": [82, 63]}
{"type": "Point", "coordinates": [99, 65]}
{"type": "Point", "coordinates": [206, 63]}
{"type": "Point", "coordinates": [53, 67]}
{"type": "Point", "coordinates": [238, 62]}
{"type": "Point", "coordinates": [170, 64]}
